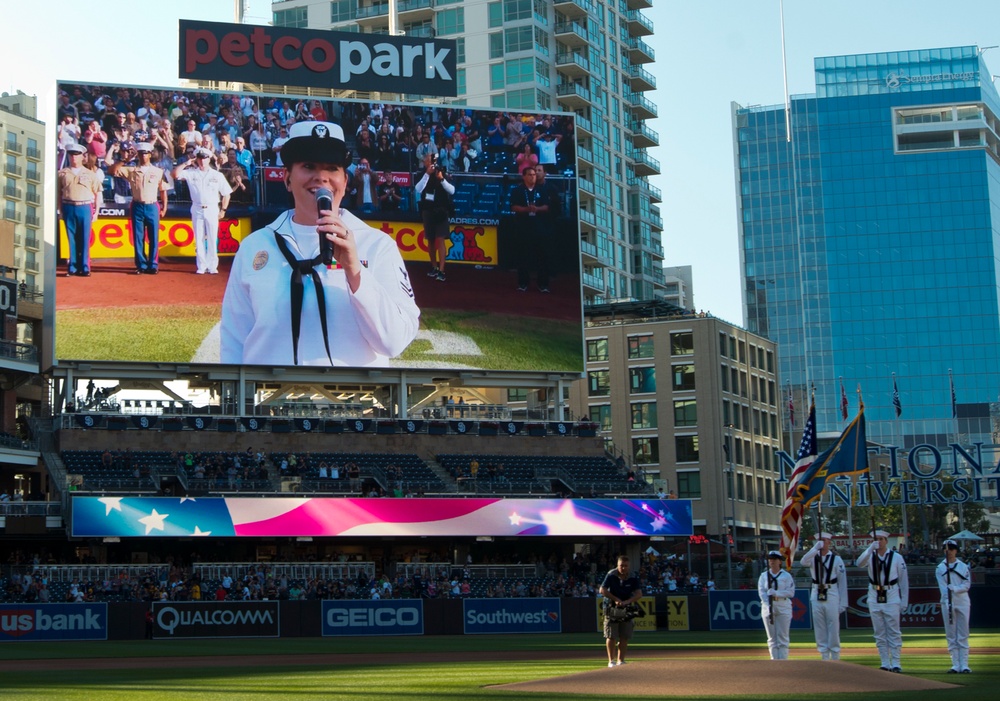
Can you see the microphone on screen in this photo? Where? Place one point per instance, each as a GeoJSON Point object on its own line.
{"type": "Point", "coordinates": [324, 201]}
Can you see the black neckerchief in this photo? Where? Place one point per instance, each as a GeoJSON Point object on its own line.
{"type": "Point", "coordinates": [881, 568]}
{"type": "Point", "coordinates": [821, 571]}
{"type": "Point", "coordinates": [772, 580]}
{"type": "Point", "coordinates": [300, 268]}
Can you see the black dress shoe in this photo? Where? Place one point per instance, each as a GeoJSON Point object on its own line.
{"type": "Point", "coordinates": [139, 271]}
{"type": "Point", "coordinates": [85, 273]}
{"type": "Point", "coordinates": [966, 671]}
{"type": "Point", "coordinates": [152, 271]}
{"type": "Point", "coordinates": [897, 670]}
{"type": "Point", "coordinates": [884, 669]}
{"type": "Point", "coordinates": [952, 671]}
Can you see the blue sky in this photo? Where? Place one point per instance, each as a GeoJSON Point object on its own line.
{"type": "Point", "coordinates": [709, 53]}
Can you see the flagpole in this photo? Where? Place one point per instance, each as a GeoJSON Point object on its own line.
{"type": "Point", "coordinates": [897, 407]}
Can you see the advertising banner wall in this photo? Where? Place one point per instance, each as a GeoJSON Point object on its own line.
{"type": "Point", "coordinates": [678, 613]}
{"type": "Point", "coordinates": [446, 227]}
{"type": "Point", "coordinates": [924, 609]}
{"type": "Point", "coordinates": [215, 619]}
{"type": "Point", "coordinates": [174, 517]}
{"type": "Point", "coordinates": [740, 610]}
{"type": "Point", "coordinates": [512, 616]}
{"type": "Point", "coordinates": [35, 622]}
{"type": "Point", "coordinates": [403, 617]}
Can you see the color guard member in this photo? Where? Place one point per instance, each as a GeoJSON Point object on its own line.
{"type": "Point", "coordinates": [954, 580]}
{"type": "Point", "coordinates": [776, 589]}
{"type": "Point", "coordinates": [888, 597]}
{"type": "Point", "coordinates": [828, 596]}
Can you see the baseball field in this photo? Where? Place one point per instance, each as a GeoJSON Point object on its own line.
{"type": "Point", "coordinates": [662, 665]}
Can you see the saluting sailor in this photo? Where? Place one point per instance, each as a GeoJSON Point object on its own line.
{"type": "Point", "coordinates": [207, 186]}
{"type": "Point", "coordinates": [79, 188]}
{"type": "Point", "coordinates": [283, 305]}
{"type": "Point", "coordinates": [954, 580]}
{"type": "Point", "coordinates": [828, 596]}
{"type": "Point", "coordinates": [888, 597]}
{"type": "Point", "coordinates": [776, 589]}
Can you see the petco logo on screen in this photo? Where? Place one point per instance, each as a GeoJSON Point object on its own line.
{"type": "Point", "coordinates": [373, 617]}
{"type": "Point", "coordinates": [54, 622]}
{"type": "Point", "coordinates": [512, 616]}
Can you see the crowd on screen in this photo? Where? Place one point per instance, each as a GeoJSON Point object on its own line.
{"type": "Point", "coordinates": [245, 134]}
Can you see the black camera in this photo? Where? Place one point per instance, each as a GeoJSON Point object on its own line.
{"type": "Point", "coordinates": [623, 613]}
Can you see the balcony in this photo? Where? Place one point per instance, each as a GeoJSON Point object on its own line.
{"type": "Point", "coordinates": [573, 96]}
{"type": "Point", "coordinates": [589, 252]}
{"type": "Point", "coordinates": [638, 24]}
{"type": "Point", "coordinates": [11, 215]}
{"type": "Point", "coordinates": [415, 10]}
{"type": "Point", "coordinates": [593, 282]}
{"type": "Point", "coordinates": [12, 193]}
{"type": "Point", "coordinates": [642, 107]}
{"type": "Point", "coordinates": [639, 79]}
{"type": "Point", "coordinates": [34, 154]}
{"type": "Point", "coordinates": [644, 137]}
{"type": "Point", "coordinates": [425, 31]}
{"type": "Point", "coordinates": [642, 185]}
{"type": "Point", "coordinates": [574, 8]}
{"type": "Point", "coordinates": [33, 198]}
{"type": "Point", "coordinates": [586, 186]}
{"type": "Point", "coordinates": [372, 15]}
{"type": "Point", "coordinates": [572, 34]}
{"type": "Point", "coordinates": [34, 176]}
{"type": "Point", "coordinates": [582, 126]}
{"type": "Point", "coordinates": [588, 221]}
{"type": "Point", "coordinates": [584, 154]}
{"type": "Point", "coordinates": [13, 147]}
{"type": "Point", "coordinates": [32, 266]}
{"type": "Point", "coordinates": [645, 164]}
{"type": "Point", "coordinates": [35, 223]}
{"type": "Point", "coordinates": [640, 52]}
{"type": "Point", "coordinates": [651, 217]}
{"type": "Point", "coordinates": [639, 4]}
{"type": "Point", "coordinates": [13, 170]}
{"type": "Point", "coordinates": [572, 65]}
{"type": "Point", "coordinates": [32, 241]}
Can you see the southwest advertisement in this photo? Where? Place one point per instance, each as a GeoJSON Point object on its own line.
{"type": "Point", "coordinates": [179, 234]}
{"type": "Point", "coordinates": [492, 616]}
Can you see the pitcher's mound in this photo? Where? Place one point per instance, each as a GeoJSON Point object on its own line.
{"type": "Point", "coordinates": [692, 677]}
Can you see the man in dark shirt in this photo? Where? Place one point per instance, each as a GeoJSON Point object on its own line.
{"type": "Point", "coordinates": [619, 589]}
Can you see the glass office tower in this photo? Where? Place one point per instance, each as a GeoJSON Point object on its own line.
{"type": "Point", "coordinates": [583, 56]}
{"type": "Point", "coordinates": [870, 242]}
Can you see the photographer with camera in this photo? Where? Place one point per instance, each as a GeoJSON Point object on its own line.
{"type": "Point", "coordinates": [435, 192]}
{"type": "Point", "coordinates": [621, 591]}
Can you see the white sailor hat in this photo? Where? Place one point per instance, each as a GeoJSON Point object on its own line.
{"type": "Point", "coordinates": [950, 544]}
{"type": "Point", "coordinates": [824, 536]}
{"type": "Point", "coordinates": [319, 142]}
{"type": "Point", "coordinates": [76, 148]}
{"type": "Point", "coordinates": [879, 534]}
{"type": "Point", "coordinates": [144, 147]}
{"type": "Point", "coordinates": [203, 153]}
{"type": "Point", "coordinates": [775, 555]}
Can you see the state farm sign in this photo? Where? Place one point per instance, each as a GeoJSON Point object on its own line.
{"type": "Point", "coordinates": [323, 59]}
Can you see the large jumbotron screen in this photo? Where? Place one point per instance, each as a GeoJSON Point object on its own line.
{"type": "Point", "coordinates": [509, 297]}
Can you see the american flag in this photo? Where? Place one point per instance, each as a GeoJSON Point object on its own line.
{"type": "Point", "coordinates": [791, 513]}
{"type": "Point", "coordinates": [897, 405]}
{"type": "Point", "coordinates": [843, 401]}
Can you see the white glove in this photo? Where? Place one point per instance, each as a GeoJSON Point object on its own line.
{"type": "Point", "coordinates": [772, 592]}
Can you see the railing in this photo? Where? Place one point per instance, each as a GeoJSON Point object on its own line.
{"type": "Point", "coordinates": [372, 11]}
{"type": "Point", "coordinates": [12, 170]}
{"type": "Point", "coordinates": [638, 17]}
{"type": "Point", "coordinates": [34, 198]}
{"type": "Point", "coordinates": [12, 192]}
{"type": "Point", "coordinates": [31, 508]}
{"type": "Point", "coordinates": [99, 573]}
{"type": "Point", "coordinates": [411, 5]}
{"type": "Point", "coordinates": [572, 58]}
{"type": "Point", "coordinates": [34, 176]}
{"type": "Point", "coordinates": [13, 146]}
{"type": "Point", "coordinates": [292, 570]}
{"type": "Point", "coordinates": [35, 222]}
{"type": "Point", "coordinates": [18, 351]}
{"type": "Point", "coordinates": [34, 153]}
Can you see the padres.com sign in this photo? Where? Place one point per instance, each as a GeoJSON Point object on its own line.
{"type": "Point", "coordinates": [284, 56]}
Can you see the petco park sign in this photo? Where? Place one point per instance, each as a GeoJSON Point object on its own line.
{"type": "Point", "coordinates": [283, 56]}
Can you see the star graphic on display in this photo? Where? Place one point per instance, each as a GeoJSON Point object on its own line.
{"type": "Point", "coordinates": [659, 523]}
{"type": "Point", "coordinates": [111, 503]}
{"type": "Point", "coordinates": [623, 524]}
{"type": "Point", "coordinates": [644, 507]}
{"type": "Point", "coordinates": [663, 513]}
{"type": "Point", "coordinates": [515, 520]}
{"type": "Point", "coordinates": [184, 499]}
{"type": "Point", "coordinates": [153, 521]}
{"type": "Point", "coordinates": [198, 531]}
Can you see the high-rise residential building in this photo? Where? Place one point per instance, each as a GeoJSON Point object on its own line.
{"type": "Point", "coordinates": [678, 286]}
{"type": "Point", "coordinates": [23, 135]}
{"type": "Point", "coordinates": [582, 56]}
{"type": "Point", "coordinates": [689, 400]}
{"type": "Point", "coordinates": [870, 242]}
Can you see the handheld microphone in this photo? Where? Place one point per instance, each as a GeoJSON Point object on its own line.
{"type": "Point", "coordinates": [324, 200]}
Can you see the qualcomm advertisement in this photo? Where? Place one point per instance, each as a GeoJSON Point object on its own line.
{"type": "Point", "coordinates": [404, 617]}
{"type": "Point", "coordinates": [215, 619]}
{"type": "Point", "coordinates": [740, 610]}
{"type": "Point", "coordinates": [512, 616]}
{"type": "Point", "coordinates": [24, 622]}
{"type": "Point", "coordinates": [175, 517]}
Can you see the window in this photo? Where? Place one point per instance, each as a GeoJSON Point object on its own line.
{"type": "Point", "coordinates": [686, 412]}
{"type": "Point", "coordinates": [518, 39]}
{"type": "Point", "coordinates": [687, 448]}
{"type": "Point", "coordinates": [644, 415]}
{"type": "Point", "coordinates": [725, 379]}
{"type": "Point", "coordinates": [645, 451]}
{"type": "Point", "coordinates": [722, 345]}
{"type": "Point", "coordinates": [642, 380]}
{"type": "Point", "coordinates": [599, 383]}
{"type": "Point", "coordinates": [741, 493]}
{"type": "Point", "coordinates": [496, 76]}
{"type": "Point", "coordinates": [725, 414]}
{"type": "Point", "coordinates": [342, 10]}
{"type": "Point", "coordinates": [689, 485]}
{"type": "Point", "coordinates": [640, 347]}
{"type": "Point", "coordinates": [296, 17]}
{"type": "Point", "coordinates": [496, 45]}
{"type": "Point", "coordinates": [524, 99]}
{"type": "Point", "coordinates": [519, 70]}
{"type": "Point", "coordinates": [601, 415]}
{"type": "Point", "coordinates": [450, 21]}
{"type": "Point", "coordinates": [495, 10]}
{"type": "Point", "coordinates": [460, 81]}
{"type": "Point", "coordinates": [516, 9]}
{"type": "Point", "coordinates": [460, 50]}
{"type": "Point", "coordinates": [517, 394]}
{"type": "Point", "coordinates": [682, 343]}
{"type": "Point", "coordinates": [597, 349]}
{"type": "Point", "coordinates": [683, 377]}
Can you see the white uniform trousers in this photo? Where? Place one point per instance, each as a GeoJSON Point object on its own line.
{"type": "Point", "coordinates": [205, 222]}
{"type": "Point", "coordinates": [957, 634]}
{"type": "Point", "coordinates": [888, 636]}
{"type": "Point", "coordinates": [826, 623]}
{"type": "Point", "coordinates": [777, 633]}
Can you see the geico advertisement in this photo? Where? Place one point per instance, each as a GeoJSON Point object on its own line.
{"type": "Point", "coordinates": [404, 617]}
{"type": "Point", "coordinates": [215, 619]}
{"type": "Point", "coordinates": [923, 610]}
{"type": "Point", "coordinates": [467, 242]}
{"type": "Point", "coordinates": [512, 616]}
{"type": "Point", "coordinates": [112, 237]}
{"type": "Point", "coordinates": [644, 623]}
{"type": "Point", "coordinates": [740, 610]}
{"type": "Point", "coordinates": [678, 613]}
{"type": "Point", "coordinates": [24, 622]}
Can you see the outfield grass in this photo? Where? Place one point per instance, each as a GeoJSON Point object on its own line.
{"type": "Point", "coordinates": [454, 680]}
